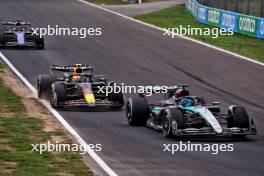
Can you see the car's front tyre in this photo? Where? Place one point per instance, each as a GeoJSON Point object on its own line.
{"type": "Point", "coordinates": [40, 43]}
{"type": "Point", "coordinates": [44, 85]}
{"type": "Point", "coordinates": [137, 111]}
{"type": "Point", "coordinates": [238, 117]}
{"type": "Point", "coordinates": [173, 119]}
{"type": "Point", "coordinates": [2, 39]}
{"type": "Point", "coordinates": [117, 98]}
{"type": "Point", "coordinates": [58, 95]}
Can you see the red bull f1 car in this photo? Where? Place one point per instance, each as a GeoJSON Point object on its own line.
{"type": "Point", "coordinates": [78, 87]}
{"type": "Point", "coordinates": [19, 34]}
{"type": "Point", "coordinates": [180, 114]}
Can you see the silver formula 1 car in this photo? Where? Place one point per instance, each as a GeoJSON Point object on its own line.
{"type": "Point", "coordinates": [180, 114]}
{"type": "Point", "coordinates": [19, 34]}
{"type": "Point", "coordinates": [78, 87]}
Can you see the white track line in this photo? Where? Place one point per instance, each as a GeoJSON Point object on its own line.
{"type": "Point", "coordinates": [184, 37]}
{"type": "Point", "coordinates": [76, 136]}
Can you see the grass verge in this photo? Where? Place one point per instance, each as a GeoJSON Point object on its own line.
{"type": "Point", "coordinates": [2, 65]}
{"type": "Point", "coordinates": [175, 16]}
{"type": "Point", "coordinates": [18, 130]}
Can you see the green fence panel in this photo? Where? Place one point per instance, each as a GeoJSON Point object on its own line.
{"type": "Point", "coordinates": [247, 25]}
{"type": "Point", "coordinates": [214, 16]}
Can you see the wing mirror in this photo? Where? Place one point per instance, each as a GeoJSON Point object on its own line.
{"type": "Point", "coordinates": [216, 103]}
{"type": "Point", "coordinates": [102, 79]}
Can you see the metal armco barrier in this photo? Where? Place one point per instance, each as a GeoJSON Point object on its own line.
{"type": "Point", "coordinates": [244, 24]}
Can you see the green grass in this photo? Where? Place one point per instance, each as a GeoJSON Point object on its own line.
{"type": "Point", "coordinates": [107, 2]}
{"type": "Point", "coordinates": [175, 16]}
{"type": "Point", "coordinates": [9, 100]}
{"type": "Point", "coordinates": [2, 65]}
{"type": "Point", "coordinates": [18, 131]}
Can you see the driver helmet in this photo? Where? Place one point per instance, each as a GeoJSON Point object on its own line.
{"type": "Point", "coordinates": [186, 102]}
{"type": "Point", "coordinates": [77, 78]}
{"type": "Point", "coordinates": [181, 93]}
{"type": "Point", "coordinates": [66, 76]}
{"type": "Point", "coordinates": [75, 73]}
{"type": "Point", "coordinates": [178, 93]}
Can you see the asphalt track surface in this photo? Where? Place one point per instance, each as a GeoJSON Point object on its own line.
{"type": "Point", "coordinates": [136, 54]}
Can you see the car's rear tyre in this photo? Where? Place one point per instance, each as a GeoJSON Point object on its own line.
{"type": "Point", "coordinates": [2, 39]}
{"type": "Point", "coordinates": [173, 119]}
{"type": "Point", "coordinates": [117, 98]}
{"type": "Point", "coordinates": [44, 86]}
{"type": "Point", "coordinates": [137, 111]}
{"type": "Point", "coordinates": [58, 95]}
{"type": "Point", "coordinates": [40, 43]}
{"type": "Point", "coordinates": [238, 117]}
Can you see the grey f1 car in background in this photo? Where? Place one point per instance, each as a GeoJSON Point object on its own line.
{"type": "Point", "coordinates": [77, 88]}
{"type": "Point", "coordinates": [180, 114]}
{"type": "Point", "coordinates": [19, 34]}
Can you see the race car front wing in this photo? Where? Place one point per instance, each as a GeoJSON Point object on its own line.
{"type": "Point", "coordinates": [83, 104]}
{"type": "Point", "coordinates": [208, 131]}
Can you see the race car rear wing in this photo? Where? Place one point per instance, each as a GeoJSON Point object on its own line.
{"type": "Point", "coordinates": [168, 89]}
{"type": "Point", "coordinates": [16, 23]}
{"type": "Point", "coordinates": [178, 86]}
{"type": "Point", "coordinates": [70, 68]}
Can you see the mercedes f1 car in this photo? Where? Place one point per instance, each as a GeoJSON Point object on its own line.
{"type": "Point", "coordinates": [19, 34]}
{"type": "Point", "coordinates": [180, 114]}
{"type": "Point", "coordinates": [78, 87]}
